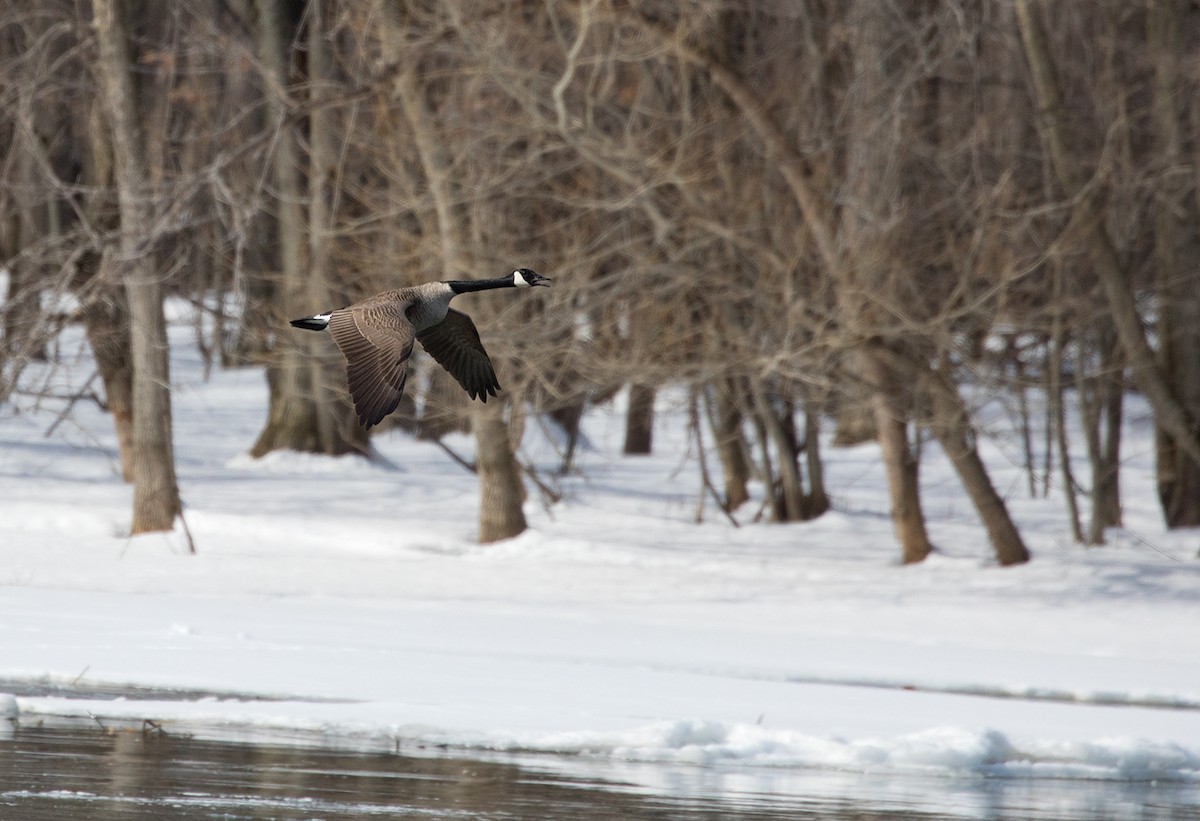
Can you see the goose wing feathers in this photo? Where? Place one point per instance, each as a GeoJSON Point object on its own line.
{"type": "Point", "coordinates": [456, 346]}
{"type": "Point", "coordinates": [376, 341]}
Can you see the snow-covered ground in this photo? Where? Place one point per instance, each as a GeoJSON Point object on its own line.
{"type": "Point", "coordinates": [351, 599]}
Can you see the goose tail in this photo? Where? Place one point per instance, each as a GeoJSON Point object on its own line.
{"type": "Point", "coordinates": [313, 323]}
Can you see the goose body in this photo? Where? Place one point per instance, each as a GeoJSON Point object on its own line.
{"type": "Point", "coordinates": [376, 336]}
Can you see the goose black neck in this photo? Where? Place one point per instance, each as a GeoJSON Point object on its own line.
{"type": "Point", "coordinates": [462, 286]}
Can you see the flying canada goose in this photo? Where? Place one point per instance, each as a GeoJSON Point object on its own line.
{"type": "Point", "coordinates": [376, 337]}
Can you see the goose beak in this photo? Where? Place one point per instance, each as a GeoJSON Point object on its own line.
{"type": "Point", "coordinates": [538, 279]}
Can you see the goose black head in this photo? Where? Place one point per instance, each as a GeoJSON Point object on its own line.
{"type": "Point", "coordinates": [524, 276]}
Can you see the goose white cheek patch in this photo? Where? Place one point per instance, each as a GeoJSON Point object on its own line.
{"type": "Point", "coordinates": [519, 280]}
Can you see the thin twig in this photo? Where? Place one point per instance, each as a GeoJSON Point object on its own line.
{"type": "Point", "coordinates": [1144, 542]}
{"type": "Point", "coordinates": [547, 492]}
{"type": "Point", "coordinates": [83, 393]}
{"type": "Point", "coordinates": [694, 424]}
{"type": "Point", "coordinates": [470, 466]}
{"type": "Point", "coordinates": [187, 533]}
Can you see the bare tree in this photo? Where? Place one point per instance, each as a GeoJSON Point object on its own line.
{"type": "Point", "coordinates": [501, 491]}
{"type": "Point", "coordinates": [1176, 245]}
{"type": "Point", "coordinates": [309, 409]}
{"type": "Point", "coordinates": [156, 500]}
{"type": "Point", "coordinates": [1170, 414]}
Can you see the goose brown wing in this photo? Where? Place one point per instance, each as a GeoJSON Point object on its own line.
{"type": "Point", "coordinates": [456, 346]}
{"type": "Point", "coordinates": [376, 342]}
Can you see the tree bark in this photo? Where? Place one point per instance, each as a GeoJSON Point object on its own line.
{"type": "Point", "coordinates": [1056, 412]}
{"type": "Point", "coordinates": [501, 493]}
{"type": "Point", "coordinates": [726, 421]}
{"type": "Point", "coordinates": [156, 500]}
{"type": "Point", "coordinates": [952, 427]}
{"type": "Point", "coordinates": [791, 504]}
{"type": "Point", "coordinates": [1177, 278]}
{"type": "Point", "coordinates": [818, 499]}
{"type": "Point", "coordinates": [1100, 396]}
{"type": "Point", "coordinates": [106, 320]}
{"type": "Point", "coordinates": [22, 308]}
{"type": "Point", "coordinates": [639, 421]}
{"type": "Point", "coordinates": [891, 424]}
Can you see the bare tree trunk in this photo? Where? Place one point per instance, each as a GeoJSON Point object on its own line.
{"type": "Point", "coordinates": [1100, 406]}
{"type": "Point", "coordinates": [891, 424]}
{"type": "Point", "coordinates": [306, 412]}
{"type": "Point", "coordinates": [726, 421]}
{"type": "Point", "coordinates": [22, 307]}
{"type": "Point", "coordinates": [792, 505]}
{"type": "Point", "coordinates": [1175, 251]}
{"type": "Point", "coordinates": [156, 500]}
{"type": "Point", "coordinates": [818, 498]}
{"type": "Point", "coordinates": [1106, 481]}
{"type": "Point", "coordinates": [1057, 421]}
{"type": "Point", "coordinates": [106, 319]}
{"type": "Point", "coordinates": [1021, 386]}
{"type": "Point", "coordinates": [1056, 412]}
{"type": "Point", "coordinates": [500, 488]}
{"type": "Point", "coordinates": [639, 421]}
{"type": "Point", "coordinates": [569, 417]}
{"type": "Point", "coordinates": [766, 468]}
{"type": "Point", "coordinates": [336, 419]}
{"type": "Point", "coordinates": [952, 426]}
{"type": "Point", "coordinates": [291, 415]}
{"type": "Point", "coordinates": [876, 205]}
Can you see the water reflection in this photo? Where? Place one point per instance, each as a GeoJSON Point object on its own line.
{"type": "Point", "coordinates": [69, 771]}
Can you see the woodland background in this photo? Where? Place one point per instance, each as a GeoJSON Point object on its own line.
{"type": "Point", "coordinates": [866, 214]}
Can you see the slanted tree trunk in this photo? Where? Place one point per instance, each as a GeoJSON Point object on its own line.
{"type": "Point", "coordinates": [1170, 414]}
{"type": "Point", "coordinates": [155, 491]}
{"type": "Point", "coordinates": [952, 427]}
{"type": "Point", "coordinates": [500, 488]}
{"type": "Point", "coordinates": [1175, 251]}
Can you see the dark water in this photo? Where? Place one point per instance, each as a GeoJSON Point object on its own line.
{"type": "Point", "coordinates": [74, 771]}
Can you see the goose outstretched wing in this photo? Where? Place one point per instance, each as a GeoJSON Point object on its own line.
{"type": "Point", "coordinates": [377, 342]}
{"type": "Point", "coordinates": [455, 345]}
